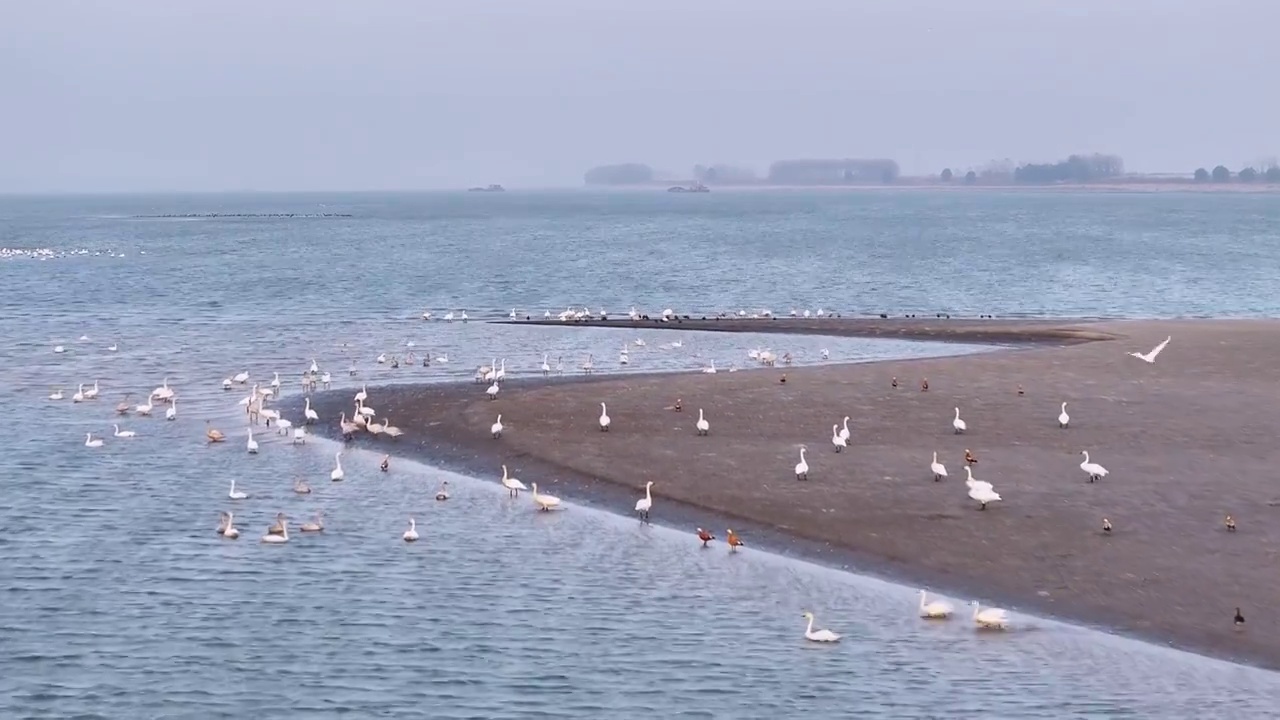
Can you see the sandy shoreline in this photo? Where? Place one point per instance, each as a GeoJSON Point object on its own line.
{"type": "Point", "coordinates": [1187, 440]}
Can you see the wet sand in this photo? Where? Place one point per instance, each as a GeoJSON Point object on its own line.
{"type": "Point", "coordinates": [1187, 440]}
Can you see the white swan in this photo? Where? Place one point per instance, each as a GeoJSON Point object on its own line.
{"type": "Point", "coordinates": [171, 412]}
{"type": "Point", "coordinates": [1150, 357]}
{"type": "Point", "coordinates": [496, 428]}
{"type": "Point", "coordinates": [113, 347]}
{"type": "Point", "coordinates": [711, 368]}
{"type": "Point", "coordinates": [79, 395]}
{"type": "Point", "coordinates": [241, 377]}
{"type": "Point", "coordinates": [301, 487]}
{"type": "Point", "coordinates": [235, 494]}
{"type": "Point", "coordinates": [56, 394]}
{"type": "Point", "coordinates": [363, 394]}
{"type": "Point", "coordinates": [492, 391]}
{"type": "Point", "coordinates": [91, 393]}
{"type": "Point", "coordinates": [144, 409]}
{"type": "Point", "coordinates": [703, 426]}
{"type": "Point", "coordinates": [411, 535]}
{"type": "Point", "coordinates": [937, 610]}
{"type": "Point", "coordinates": [844, 431]}
{"type": "Point", "coordinates": [513, 485]}
{"type": "Point", "coordinates": [818, 635]}
{"type": "Point", "coordinates": [645, 504]}
{"type": "Point", "coordinates": [283, 537]}
{"type": "Point", "coordinates": [251, 445]}
{"type": "Point", "coordinates": [124, 433]}
{"type": "Point", "coordinates": [837, 439]}
{"type": "Point", "coordinates": [382, 358]}
{"type": "Point", "coordinates": [490, 371]}
{"type": "Point", "coordinates": [443, 493]}
{"type": "Point", "coordinates": [604, 418]}
{"type": "Point", "coordinates": [337, 474]}
{"type": "Point", "coordinates": [981, 490]}
{"type": "Point", "coordinates": [59, 349]}
{"type": "Point", "coordinates": [317, 526]}
{"type": "Point", "coordinates": [91, 441]}
{"type": "Point", "coordinates": [502, 371]}
{"type": "Point", "coordinates": [939, 470]}
{"type": "Point", "coordinates": [543, 501]}
{"type": "Point", "coordinates": [1063, 417]}
{"type": "Point", "coordinates": [802, 467]}
{"type": "Point", "coordinates": [990, 618]}
{"type": "Point", "coordinates": [1094, 469]}
{"type": "Point", "coordinates": [958, 424]}
{"type": "Point", "coordinates": [308, 413]}
{"type": "Point", "coordinates": [164, 392]}
{"type": "Point", "coordinates": [589, 365]}
{"type": "Point", "coordinates": [227, 530]}
{"type": "Point", "coordinates": [389, 429]}
{"type": "Point", "coordinates": [374, 428]}
{"type": "Point", "coordinates": [546, 369]}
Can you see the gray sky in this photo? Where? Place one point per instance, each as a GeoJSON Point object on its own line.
{"type": "Point", "coordinates": [373, 94]}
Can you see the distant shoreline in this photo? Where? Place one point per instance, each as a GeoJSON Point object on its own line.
{"type": "Point", "coordinates": [1143, 187]}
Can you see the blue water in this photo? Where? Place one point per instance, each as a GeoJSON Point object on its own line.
{"type": "Point", "coordinates": [119, 600]}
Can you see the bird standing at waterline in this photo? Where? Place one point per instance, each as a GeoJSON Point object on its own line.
{"type": "Point", "coordinates": [1094, 469]}
{"type": "Point", "coordinates": [337, 475]}
{"type": "Point", "coordinates": [939, 470]}
{"type": "Point", "coordinates": [703, 426]}
{"type": "Point", "coordinates": [604, 418]}
{"type": "Point", "coordinates": [802, 467]}
{"type": "Point", "coordinates": [1063, 418]}
{"type": "Point", "coordinates": [1150, 356]}
{"type": "Point", "coordinates": [733, 540]}
{"type": "Point", "coordinates": [705, 537]}
{"type": "Point", "coordinates": [839, 442]}
{"type": "Point", "coordinates": [512, 485]}
{"type": "Point", "coordinates": [645, 504]}
{"type": "Point", "coordinates": [990, 618]}
{"type": "Point", "coordinates": [825, 636]}
{"type": "Point", "coordinates": [411, 535]}
{"type": "Point", "coordinates": [543, 501]}
{"type": "Point", "coordinates": [936, 610]}
{"type": "Point", "coordinates": [958, 424]}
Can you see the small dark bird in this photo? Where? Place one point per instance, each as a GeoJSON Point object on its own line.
{"type": "Point", "coordinates": [705, 537]}
{"type": "Point", "coordinates": [1231, 524]}
{"type": "Point", "coordinates": [895, 381]}
{"type": "Point", "coordinates": [924, 385]}
{"type": "Point", "coordinates": [970, 458]}
{"type": "Point", "coordinates": [1239, 618]}
{"type": "Point", "coordinates": [678, 406]}
{"type": "Point", "coordinates": [1020, 392]}
{"type": "Point", "coordinates": [386, 463]}
{"type": "Point", "coordinates": [783, 378]}
{"type": "Point", "coordinates": [1106, 526]}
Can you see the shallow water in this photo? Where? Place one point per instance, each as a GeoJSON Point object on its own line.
{"type": "Point", "coordinates": [121, 601]}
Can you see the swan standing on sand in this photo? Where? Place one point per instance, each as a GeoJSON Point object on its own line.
{"type": "Point", "coordinates": [496, 428]}
{"type": "Point", "coordinates": [703, 426]}
{"type": "Point", "coordinates": [604, 418]}
{"type": "Point", "coordinates": [235, 494]}
{"type": "Point", "coordinates": [543, 501]}
{"type": "Point", "coordinates": [546, 369]}
{"type": "Point", "coordinates": [1094, 469]}
{"type": "Point", "coordinates": [644, 504]}
{"type": "Point", "coordinates": [124, 433]}
{"type": "Point", "coordinates": [980, 490]}
{"type": "Point", "coordinates": [802, 467]}
{"type": "Point", "coordinates": [337, 475]}
{"type": "Point", "coordinates": [91, 441]}
{"type": "Point", "coordinates": [990, 618]}
{"type": "Point", "coordinates": [939, 470]}
{"type": "Point", "coordinates": [837, 439]}
{"type": "Point", "coordinates": [1063, 418]}
{"type": "Point", "coordinates": [844, 431]}
{"type": "Point", "coordinates": [511, 484]}
{"type": "Point", "coordinates": [958, 424]}
{"type": "Point", "coordinates": [1150, 357]}
{"type": "Point", "coordinates": [936, 610]}
{"type": "Point", "coordinates": [492, 392]}
{"type": "Point", "coordinates": [818, 635]}
{"type": "Point", "coordinates": [411, 535]}
{"type": "Point", "coordinates": [251, 445]}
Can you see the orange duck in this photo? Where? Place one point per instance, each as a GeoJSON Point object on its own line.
{"type": "Point", "coordinates": [705, 537]}
{"type": "Point", "coordinates": [969, 457]}
{"type": "Point", "coordinates": [734, 541]}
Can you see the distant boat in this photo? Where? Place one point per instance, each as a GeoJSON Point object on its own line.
{"type": "Point", "coordinates": [491, 188]}
{"type": "Point", "coordinates": [694, 188]}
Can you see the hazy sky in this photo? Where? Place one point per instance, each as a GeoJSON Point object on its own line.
{"type": "Point", "coordinates": [372, 94]}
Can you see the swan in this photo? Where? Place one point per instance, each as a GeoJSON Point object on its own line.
{"type": "Point", "coordinates": [588, 366]}
{"type": "Point", "coordinates": [818, 635]}
{"type": "Point", "coordinates": [144, 409]}
{"type": "Point", "coordinates": [1063, 417]}
{"type": "Point", "coordinates": [937, 610]}
{"type": "Point", "coordinates": [382, 358]}
{"type": "Point", "coordinates": [337, 474]}
{"type": "Point", "coordinates": [122, 407]}
{"type": "Point", "coordinates": [365, 410]}
{"type": "Point", "coordinates": [227, 530]}
{"type": "Point", "coordinates": [251, 445]}
{"type": "Point", "coordinates": [490, 371]}
{"type": "Point", "coordinates": [79, 396]}
{"type": "Point", "coordinates": [91, 393]}
{"type": "Point", "coordinates": [958, 424]}
{"type": "Point", "coordinates": [124, 433]}
{"type": "Point", "coordinates": [511, 484]}
{"type": "Point", "coordinates": [502, 371]}
{"type": "Point", "coordinates": [226, 383]}
{"type": "Point", "coordinates": [711, 368]}
{"type": "Point", "coordinates": [981, 490]}
{"type": "Point", "coordinates": [559, 365]}
{"type": "Point", "coordinates": [315, 366]}
{"type": "Point", "coordinates": [113, 347]}
{"type": "Point", "coordinates": [1150, 357]}
{"type": "Point", "coordinates": [837, 439]}
{"type": "Point", "coordinates": [374, 428]}
{"type": "Point", "coordinates": [844, 431]}
{"type": "Point", "coordinates": [283, 537]}
{"type": "Point", "coordinates": [235, 494]}
{"type": "Point", "coordinates": [990, 618]}
{"type": "Point", "coordinates": [91, 441]}
{"type": "Point", "coordinates": [171, 412]}
{"type": "Point", "coordinates": [389, 429]}
{"type": "Point", "coordinates": [164, 392]}
{"type": "Point", "coordinates": [939, 470]}
{"type": "Point", "coordinates": [56, 395]}
{"type": "Point", "coordinates": [411, 535]}
{"type": "Point", "coordinates": [604, 418]}
{"type": "Point", "coordinates": [544, 502]}
{"type": "Point", "coordinates": [326, 379]}
{"type": "Point", "coordinates": [308, 413]}
{"type": "Point", "coordinates": [623, 357]}
{"type": "Point", "coordinates": [443, 492]}
{"type": "Point", "coordinates": [802, 467]}
{"type": "Point", "coordinates": [546, 369]}
{"type": "Point", "coordinates": [703, 426]}
{"type": "Point", "coordinates": [496, 428]}
{"type": "Point", "coordinates": [463, 316]}
{"type": "Point", "coordinates": [346, 426]}
{"type": "Point", "coordinates": [1094, 469]}
{"type": "Point", "coordinates": [363, 394]}
{"type": "Point", "coordinates": [214, 434]}
{"type": "Point", "coordinates": [299, 436]}
{"type": "Point", "coordinates": [241, 377]}
{"type": "Point", "coordinates": [275, 383]}
{"type": "Point", "coordinates": [317, 526]}
{"type": "Point", "coordinates": [301, 487]}
{"type": "Point", "coordinates": [59, 349]}
{"type": "Point", "coordinates": [492, 392]}
{"type": "Point", "coordinates": [448, 317]}
{"type": "Point", "coordinates": [645, 504]}
{"type": "Point", "coordinates": [283, 424]}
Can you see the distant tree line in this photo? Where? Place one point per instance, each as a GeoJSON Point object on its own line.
{"type": "Point", "coordinates": [622, 174]}
{"type": "Point", "coordinates": [1221, 174]}
{"type": "Point", "coordinates": [1075, 169]}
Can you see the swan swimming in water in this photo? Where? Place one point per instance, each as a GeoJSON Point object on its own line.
{"type": "Point", "coordinates": [703, 426]}
{"type": "Point", "coordinates": [543, 501]}
{"type": "Point", "coordinates": [936, 610]}
{"type": "Point", "coordinates": [604, 418]}
{"type": "Point", "coordinates": [1063, 418]}
{"type": "Point", "coordinates": [411, 535]}
{"type": "Point", "coordinates": [317, 526]}
{"type": "Point", "coordinates": [939, 470]}
{"type": "Point", "coordinates": [802, 467]}
{"type": "Point", "coordinates": [990, 618]}
{"type": "Point", "coordinates": [283, 537]}
{"type": "Point", "coordinates": [1094, 469]}
{"type": "Point", "coordinates": [443, 492]}
{"type": "Point", "coordinates": [56, 394]}
{"type": "Point", "coordinates": [511, 484]}
{"type": "Point", "coordinates": [124, 433]}
{"type": "Point", "coordinates": [171, 412]}
{"type": "Point", "coordinates": [825, 636]}
{"type": "Point", "coordinates": [91, 441]}
{"type": "Point", "coordinates": [958, 424]}
{"type": "Point", "coordinates": [337, 473]}
{"type": "Point", "coordinates": [644, 504]}
{"type": "Point", "coordinates": [227, 530]}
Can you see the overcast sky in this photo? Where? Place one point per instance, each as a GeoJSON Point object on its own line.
{"type": "Point", "coordinates": [398, 94]}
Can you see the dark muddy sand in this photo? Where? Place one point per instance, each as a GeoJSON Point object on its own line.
{"type": "Point", "coordinates": [1187, 440]}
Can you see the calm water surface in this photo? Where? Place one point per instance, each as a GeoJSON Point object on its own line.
{"type": "Point", "coordinates": [119, 600]}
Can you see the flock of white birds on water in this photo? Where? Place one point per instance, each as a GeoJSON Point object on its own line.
{"type": "Point", "coordinates": [364, 418]}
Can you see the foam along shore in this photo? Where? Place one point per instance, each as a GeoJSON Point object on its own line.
{"type": "Point", "coordinates": [1187, 440]}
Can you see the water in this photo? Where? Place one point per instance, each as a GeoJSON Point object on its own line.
{"type": "Point", "coordinates": [119, 600]}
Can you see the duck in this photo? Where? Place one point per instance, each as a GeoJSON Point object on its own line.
{"type": "Point", "coordinates": [544, 502]}
{"type": "Point", "coordinates": [704, 427]}
{"type": "Point", "coordinates": [924, 385]}
{"type": "Point", "coordinates": [213, 434]}
{"type": "Point", "coordinates": [317, 526]}
{"type": "Point", "coordinates": [1063, 418]}
{"type": "Point", "coordinates": [958, 424]}
{"type": "Point", "coordinates": [1106, 526]}
{"type": "Point", "coordinates": [1229, 523]}
{"type": "Point", "coordinates": [604, 418]}
{"type": "Point", "coordinates": [443, 493]}
{"type": "Point", "coordinates": [969, 457]}
{"type": "Point", "coordinates": [939, 470]}
{"type": "Point", "coordinates": [226, 529]}
{"type": "Point", "coordinates": [496, 428]}
{"type": "Point", "coordinates": [283, 536]}
{"type": "Point", "coordinates": [802, 467]}
{"type": "Point", "coordinates": [705, 537]}
{"type": "Point", "coordinates": [990, 618]}
{"type": "Point", "coordinates": [513, 485]}
{"type": "Point", "coordinates": [124, 433]}
{"type": "Point", "coordinates": [91, 442]}
{"type": "Point", "coordinates": [385, 465]}
{"type": "Point", "coordinates": [839, 442]}
{"type": "Point", "coordinates": [645, 504]}
{"type": "Point", "coordinates": [936, 610]}
{"type": "Point", "coordinates": [235, 494]}
{"type": "Point", "coordinates": [734, 541]}
{"type": "Point", "coordinates": [1239, 618]}
{"type": "Point", "coordinates": [812, 635]}
{"type": "Point", "coordinates": [411, 535]}
{"type": "Point", "coordinates": [1094, 469]}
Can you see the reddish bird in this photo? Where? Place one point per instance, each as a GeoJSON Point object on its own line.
{"type": "Point", "coordinates": [924, 385]}
{"type": "Point", "coordinates": [969, 457]}
{"type": "Point", "coordinates": [705, 537]}
{"type": "Point", "coordinates": [734, 541]}
{"type": "Point", "coordinates": [895, 381]}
